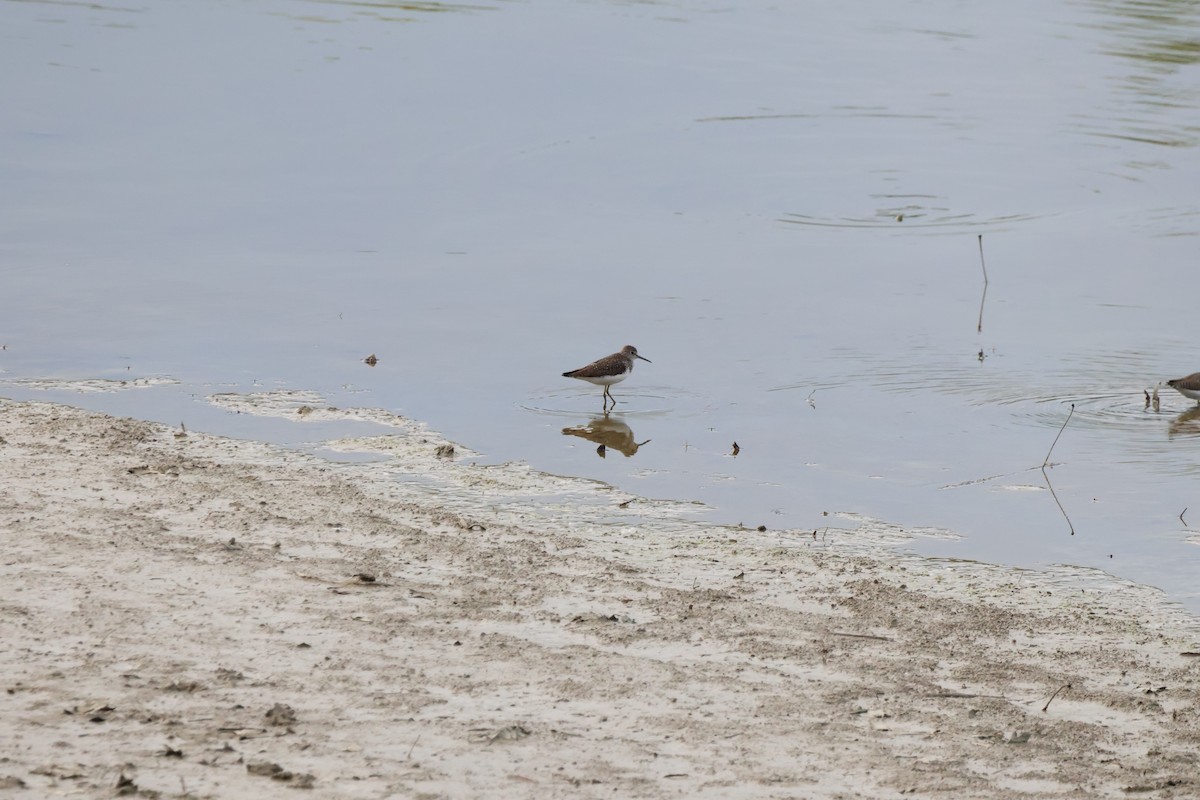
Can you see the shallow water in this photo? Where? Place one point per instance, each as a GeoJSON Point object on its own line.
{"type": "Point", "coordinates": [779, 206]}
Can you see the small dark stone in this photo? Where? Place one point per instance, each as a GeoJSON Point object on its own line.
{"type": "Point", "coordinates": [266, 768]}
{"type": "Point", "coordinates": [281, 714]}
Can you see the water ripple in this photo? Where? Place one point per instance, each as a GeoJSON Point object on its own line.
{"type": "Point", "coordinates": [1107, 390]}
{"type": "Point", "coordinates": [909, 216]}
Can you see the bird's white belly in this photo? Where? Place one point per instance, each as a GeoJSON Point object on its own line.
{"type": "Point", "coordinates": [606, 380]}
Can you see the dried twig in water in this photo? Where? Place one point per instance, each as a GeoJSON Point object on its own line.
{"type": "Point", "coordinates": [979, 327]}
{"type": "Point", "coordinates": [1060, 431]}
{"type": "Point", "coordinates": [414, 745]}
{"type": "Point", "coordinates": [1056, 691]}
{"type": "Point", "coordinates": [1046, 463]}
{"type": "Point", "coordinates": [1181, 513]}
{"type": "Point", "coordinates": [1057, 502]}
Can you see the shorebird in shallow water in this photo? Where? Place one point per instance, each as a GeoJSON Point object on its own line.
{"type": "Point", "coordinates": [608, 370]}
{"type": "Point", "coordinates": [1188, 387]}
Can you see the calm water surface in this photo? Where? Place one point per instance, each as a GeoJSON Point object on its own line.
{"type": "Point", "coordinates": [779, 205]}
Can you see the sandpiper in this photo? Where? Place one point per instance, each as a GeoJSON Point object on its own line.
{"type": "Point", "coordinates": [1188, 387]}
{"type": "Point", "coordinates": [608, 370]}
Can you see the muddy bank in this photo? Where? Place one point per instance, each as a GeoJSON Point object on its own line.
{"type": "Point", "coordinates": [190, 616]}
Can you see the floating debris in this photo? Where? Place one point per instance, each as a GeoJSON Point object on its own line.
{"type": "Point", "coordinates": [371, 360]}
{"type": "Point", "coordinates": [736, 449]}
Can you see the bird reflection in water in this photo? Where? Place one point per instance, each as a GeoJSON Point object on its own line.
{"type": "Point", "coordinates": [1186, 424]}
{"type": "Point", "coordinates": [609, 433]}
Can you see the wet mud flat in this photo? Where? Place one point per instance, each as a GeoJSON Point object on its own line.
{"type": "Point", "coordinates": [190, 616]}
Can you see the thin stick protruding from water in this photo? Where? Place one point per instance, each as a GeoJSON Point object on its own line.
{"type": "Point", "coordinates": [979, 327]}
{"type": "Point", "coordinates": [1060, 432]}
{"type": "Point", "coordinates": [1045, 475]}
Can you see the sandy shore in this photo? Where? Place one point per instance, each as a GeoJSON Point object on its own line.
{"type": "Point", "coordinates": [191, 616]}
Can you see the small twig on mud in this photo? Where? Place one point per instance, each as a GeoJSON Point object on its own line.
{"type": "Point", "coordinates": [414, 745]}
{"type": "Point", "coordinates": [1056, 691]}
{"type": "Point", "coordinates": [862, 636]}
